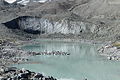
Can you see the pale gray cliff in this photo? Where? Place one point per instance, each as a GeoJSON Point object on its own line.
{"type": "Point", "coordinates": [45, 26]}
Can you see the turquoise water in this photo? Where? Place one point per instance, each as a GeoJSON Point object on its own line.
{"type": "Point", "coordinates": [84, 62]}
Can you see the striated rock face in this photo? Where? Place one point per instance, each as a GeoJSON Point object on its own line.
{"type": "Point", "coordinates": [37, 25]}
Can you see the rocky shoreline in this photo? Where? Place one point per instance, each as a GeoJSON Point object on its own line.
{"type": "Point", "coordinates": [111, 51]}
{"type": "Point", "coordinates": [74, 19]}
{"type": "Point", "coordinates": [10, 54]}
{"type": "Point", "coordinates": [12, 73]}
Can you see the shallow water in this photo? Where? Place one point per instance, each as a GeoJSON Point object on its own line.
{"type": "Point", "coordinates": [84, 62]}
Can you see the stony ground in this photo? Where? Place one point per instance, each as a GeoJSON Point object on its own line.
{"type": "Point", "coordinates": [104, 14]}
{"type": "Point", "coordinates": [11, 54]}
{"type": "Point", "coordinates": [110, 51]}
{"type": "Point", "coordinates": [12, 73]}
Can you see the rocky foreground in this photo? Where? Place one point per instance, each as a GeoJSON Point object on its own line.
{"type": "Point", "coordinates": [111, 51]}
{"type": "Point", "coordinates": [10, 54]}
{"type": "Point", "coordinates": [12, 73]}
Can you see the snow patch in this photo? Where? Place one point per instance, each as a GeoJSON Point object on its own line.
{"type": "Point", "coordinates": [10, 1]}
{"type": "Point", "coordinates": [25, 2]}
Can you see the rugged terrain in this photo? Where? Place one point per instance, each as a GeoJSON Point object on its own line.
{"type": "Point", "coordinates": [76, 19]}
{"type": "Point", "coordinates": [10, 54]}
{"type": "Point", "coordinates": [84, 19]}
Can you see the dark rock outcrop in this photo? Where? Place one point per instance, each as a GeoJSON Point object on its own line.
{"type": "Point", "coordinates": [21, 74]}
{"type": "Point", "coordinates": [12, 24]}
{"type": "Point", "coordinates": [4, 3]}
{"type": "Point", "coordinates": [18, 23]}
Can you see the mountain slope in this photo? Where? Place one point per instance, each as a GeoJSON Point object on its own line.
{"type": "Point", "coordinates": [89, 19]}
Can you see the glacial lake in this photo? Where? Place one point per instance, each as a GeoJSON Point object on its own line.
{"type": "Point", "coordinates": [83, 61]}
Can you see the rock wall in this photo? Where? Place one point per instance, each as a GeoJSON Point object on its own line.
{"type": "Point", "coordinates": [37, 25]}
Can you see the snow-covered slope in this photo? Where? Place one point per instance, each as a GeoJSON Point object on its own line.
{"type": "Point", "coordinates": [25, 2]}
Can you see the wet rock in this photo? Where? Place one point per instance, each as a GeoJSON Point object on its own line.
{"type": "Point", "coordinates": [11, 69]}
{"type": "Point", "coordinates": [24, 74]}
{"type": "Point", "coordinates": [2, 78]}
{"type": "Point", "coordinates": [109, 58]}
{"type": "Point", "coordinates": [38, 76]}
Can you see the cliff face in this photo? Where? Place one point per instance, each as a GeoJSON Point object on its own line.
{"type": "Point", "coordinates": [91, 19]}
{"type": "Point", "coordinates": [37, 25]}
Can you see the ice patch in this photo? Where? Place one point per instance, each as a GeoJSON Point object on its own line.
{"type": "Point", "coordinates": [10, 1]}
{"type": "Point", "coordinates": [25, 2]}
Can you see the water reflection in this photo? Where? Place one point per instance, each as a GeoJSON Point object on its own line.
{"type": "Point", "coordinates": [84, 62]}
